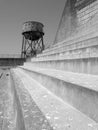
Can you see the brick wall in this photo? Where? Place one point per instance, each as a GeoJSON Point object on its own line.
{"type": "Point", "coordinates": [78, 16]}
{"type": "Point", "coordinates": [86, 15]}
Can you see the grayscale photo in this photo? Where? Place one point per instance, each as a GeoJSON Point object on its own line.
{"type": "Point", "coordinates": [48, 64]}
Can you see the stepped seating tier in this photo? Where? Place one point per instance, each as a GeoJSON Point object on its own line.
{"type": "Point", "coordinates": [78, 54]}
{"type": "Point", "coordinates": [61, 114]}
{"type": "Point", "coordinates": [78, 90]}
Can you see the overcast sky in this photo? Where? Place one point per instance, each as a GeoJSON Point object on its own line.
{"type": "Point", "coordinates": [14, 12]}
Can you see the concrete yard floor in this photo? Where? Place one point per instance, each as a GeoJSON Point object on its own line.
{"type": "Point", "coordinates": [18, 111]}
{"type": "Point", "coordinates": [7, 105]}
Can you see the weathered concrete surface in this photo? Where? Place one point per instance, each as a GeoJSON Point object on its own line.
{"type": "Point", "coordinates": [78, 90]}
{"type": "Point", "coordinates": [68, 21]}
{"type": "Point", "coordinates": [32, 115]}
{"type": "Point", "coordinates": [77, 17]}
{"type": "Point", "coordinates": [59, 114]}
{"type": "Point", "coordinates": [9, 108]}
{"type": "Point", "coordinates": [76, 55]}
{"type": "Point", "coordinates": [18, 111]}
{"type": "Point", "coordinates": [20, 125]}
{"type": "Point", "coordinates": [7, 111]}
{"type": "Point", "coordinates": [85, 65]}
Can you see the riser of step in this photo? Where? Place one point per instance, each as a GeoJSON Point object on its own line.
{"type": "Point", "coordinates": [80, 53]}
{"type": "Point", "coordinates": [81, 41]}
{"type": "Point", "coordinates": [74, 47]}
{"type": "Point", "coordinates": [82, 65]}
{"type": "Point", "coordinates": [79, 90]}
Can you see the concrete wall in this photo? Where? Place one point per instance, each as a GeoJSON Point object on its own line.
{"type": "Point", "coordinates": [67, 23]}
{"type": "Point", "coordinates": [11, 61]}
{"type": "Point", "coordinates": [77, 17]}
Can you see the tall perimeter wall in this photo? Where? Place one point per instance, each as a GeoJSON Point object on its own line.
{"type": "Point", "coordinates": [78, 16]}
{"type": "Point", "coordinates": [69, 68]}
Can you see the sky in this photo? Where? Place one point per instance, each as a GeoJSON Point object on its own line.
{"type": "Point", "coordinates": [14, 12]}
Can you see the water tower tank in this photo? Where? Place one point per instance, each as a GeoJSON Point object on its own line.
{"type": "Point", "coordinates": [32, 38]}
{"type": "Point", "coordinates": [33, 30]}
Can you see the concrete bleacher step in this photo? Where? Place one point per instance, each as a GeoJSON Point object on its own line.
{"type": "Point", "coordinates": [78, 90]}
{"type": "Point", "coordinates": [71, 43]}
{"type": "Point", "coordinates": [84, 60]}
{"type": "Point", "coordinates": [60, 114]}
{"type": "Point", "coordinates": [83, 49]}
{"type": "Point", "coordinates": [77, 55]}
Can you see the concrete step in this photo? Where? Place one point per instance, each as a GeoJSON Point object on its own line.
{"type": "Point", "coordinates": [72, 42]}
{"type": "Point", "coordinates": [78, 90]}
{"type": "Point", "coordinates": [71, 45]}
{"type": "Point", "coordinates": [79, 56]}
{"type": "Point", "coordinates": [76, 64]}
{"type": "Point", "coordinates": [70, 53]}
{"type": "Point", "coordinates": [60, 114]}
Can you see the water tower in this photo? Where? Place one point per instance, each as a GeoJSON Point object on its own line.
{"type": "Point", "coordinates": [32, 39]}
